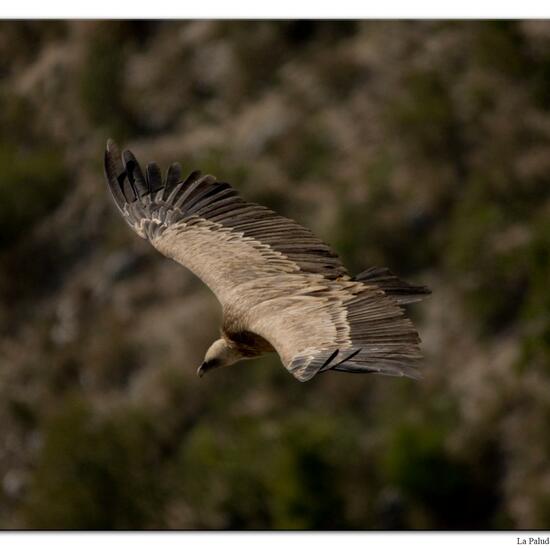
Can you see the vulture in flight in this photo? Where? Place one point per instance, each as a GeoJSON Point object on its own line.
{"type": "Point", "coordinates": [281, 288]}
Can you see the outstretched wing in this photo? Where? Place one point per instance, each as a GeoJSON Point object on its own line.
{"type": "Point", "coordinates": [272, 276]}
{"type": "Point", "coordinates": [204, 224]}
{"type": "Point", "coordinates": [338, 325]}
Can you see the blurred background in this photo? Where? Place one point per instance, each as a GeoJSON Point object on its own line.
{"type": "Point", "coordinates": [421, 146]}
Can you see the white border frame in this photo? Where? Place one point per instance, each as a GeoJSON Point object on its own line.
{"type": "Point", "coordinates": [282, 9]}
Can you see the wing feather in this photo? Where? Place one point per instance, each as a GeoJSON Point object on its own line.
{"type": "Point", "coordinates": [154, 177]}
{"type": "Point", "coordinates": [401, 291]}
{"type": "Point", "coordinates": [173, 177]}
{"type": "Point", "coordinates": [214, 202]}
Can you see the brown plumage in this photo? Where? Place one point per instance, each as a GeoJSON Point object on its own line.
{"type": "Point", "coordinates": [280, 287]}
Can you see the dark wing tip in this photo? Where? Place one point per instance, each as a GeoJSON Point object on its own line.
{"type": "Point", "coordinates": [114, 173]}
{"type": "Point", "coordinates": [154, 177]}
{"type": "Point", "coordinates": [128, 182]}
{"type": "Point", "coordinates": [173, 175]}
{"type": "Point", "coordinates": [392, 285]}
{"type": "Point", "coordinates": [135, 174]}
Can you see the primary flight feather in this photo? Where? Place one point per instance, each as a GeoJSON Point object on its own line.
{"type": "Point", "coordinates": [281, 288]}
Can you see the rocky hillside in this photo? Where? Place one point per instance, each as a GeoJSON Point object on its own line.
{"type": "Point", "coordinates": [421, 146]}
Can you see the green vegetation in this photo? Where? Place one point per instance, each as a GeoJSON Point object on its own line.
{"type": "Point", "coordinates": [94, 473]}
{"type": "Point", "coordinates": [33, 180]}
{"type": "Point", "coordinates": [102, 82]}
{"type": "Point", "coordinates": [421, 146]}
{"type": "Point", "coordinates": [32, 184]}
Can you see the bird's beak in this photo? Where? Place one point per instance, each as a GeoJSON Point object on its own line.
{"type": "Point", "coordinates": [202, 369]}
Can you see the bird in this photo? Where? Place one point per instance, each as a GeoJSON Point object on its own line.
{"type": "Point", "coordinates": [280, 287]}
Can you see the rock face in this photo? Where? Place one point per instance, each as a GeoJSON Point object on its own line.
{"type": "Point", "coordinates": [423, 146]}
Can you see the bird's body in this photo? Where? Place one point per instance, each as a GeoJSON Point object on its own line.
{"type": "Point", "coordinates": [281, 288]}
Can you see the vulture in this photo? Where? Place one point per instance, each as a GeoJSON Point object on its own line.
{"type": "Point", "coordinates": [281, 288]}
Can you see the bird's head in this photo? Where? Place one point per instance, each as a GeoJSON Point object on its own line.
{"type": "Point", "coordinates": [219, 354]}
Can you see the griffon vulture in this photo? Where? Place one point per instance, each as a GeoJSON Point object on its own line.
{"type": "Point", "coordinates": [281, 288]}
